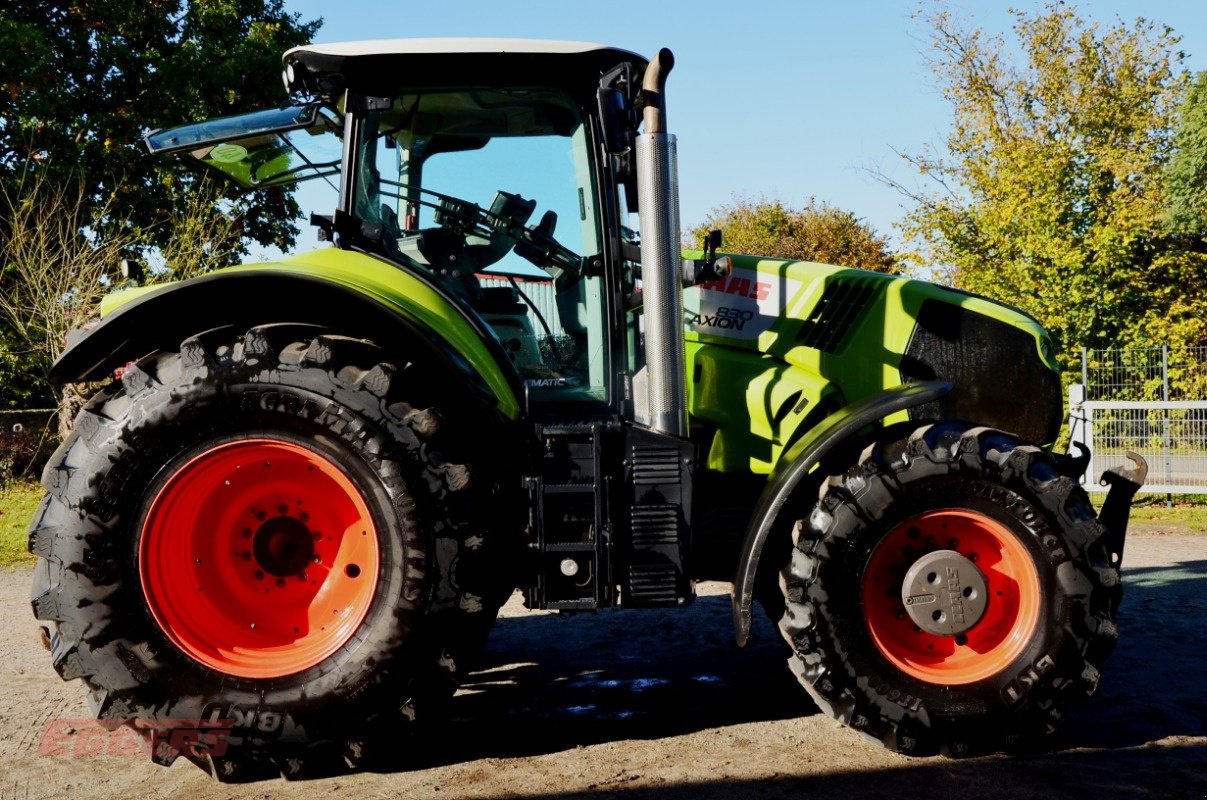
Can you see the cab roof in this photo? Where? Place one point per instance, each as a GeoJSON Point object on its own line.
{"type": "Point", "coordinates": [385, 66]}
{"type": "Point", "coordinates": [461, 45]}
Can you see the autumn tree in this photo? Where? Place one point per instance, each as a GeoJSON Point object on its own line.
{"type": "Point", "coordinates": [83, 80]}
{"type": "Point", "coordinates": [1049, 189]}
{"type": "Point", "coordinates": [1186, 173]}
{"type": "Point", "coordinates": [80, 84]}
{"type": "Point", "coordinates": [816, 232]}
{"type": "Point", "coordinates": [57, 267]}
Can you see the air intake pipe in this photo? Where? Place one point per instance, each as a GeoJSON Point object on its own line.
{"type": "Point", "coordinates": [658, 198]}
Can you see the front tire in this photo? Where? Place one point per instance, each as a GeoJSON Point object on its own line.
{"type": "Point", "coordinates": [949, 593]}
{"type": "Point", "coordinates": [284, 535]}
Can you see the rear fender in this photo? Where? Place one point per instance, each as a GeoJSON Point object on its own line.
{"type": "Point", "coordinates": [796, 463]}
{"type": "Point", "coordinates": [160, 318]}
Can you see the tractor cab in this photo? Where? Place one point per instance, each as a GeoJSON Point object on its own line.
{"type": "Point", "coordinates": [489, 186]}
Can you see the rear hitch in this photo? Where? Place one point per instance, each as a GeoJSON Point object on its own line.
{"type": "Point", "coordinates": [1124, 483]}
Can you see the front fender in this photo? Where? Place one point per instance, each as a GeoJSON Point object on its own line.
{"type": "Point", "coordinates": [348, 292]}
{"type": "Point", "coordinates": [795, 464]}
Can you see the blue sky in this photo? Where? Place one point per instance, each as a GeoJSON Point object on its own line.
{"type": "Point", "coordinates": [771, 98]}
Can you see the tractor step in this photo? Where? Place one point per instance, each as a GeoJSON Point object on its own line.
{"type": "Point", "coordinates": [569, 518]}
{"type": "Point", "coordinates": [578, 508]}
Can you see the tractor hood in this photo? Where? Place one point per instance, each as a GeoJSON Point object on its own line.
{"type": "Point", "coordinates": [854, 333]}
{"type": "Point", "coordinates": [802, 311]}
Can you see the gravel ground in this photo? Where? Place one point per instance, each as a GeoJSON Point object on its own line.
{"type": "Point", "coordinates": [663, 706]}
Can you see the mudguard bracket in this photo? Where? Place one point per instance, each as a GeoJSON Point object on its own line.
{"type": "Point", "coordinates": [1124, 483]}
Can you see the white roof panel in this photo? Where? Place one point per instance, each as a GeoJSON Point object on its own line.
{"type": "Point", "coordinates": [374, 47]}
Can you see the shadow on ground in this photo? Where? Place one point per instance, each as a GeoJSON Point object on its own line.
{"type": "Point", "coordinates": [1152, 686]}
{"type": "Point", "coordinates": [553, 683]}
{"type": "Point", "coordinates": [629, 674]}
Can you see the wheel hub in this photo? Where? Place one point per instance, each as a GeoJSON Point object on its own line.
{"type": "Point", "coordinates": [987, 596]}
{"type": "Point", "coordinates": [944, 593]}
{"type": "Point", "coordinates": [283, 546]}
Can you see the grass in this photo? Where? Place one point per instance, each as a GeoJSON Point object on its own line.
{"type": "Point", "coordinates": [18, 501]}
{"type": "Point", "coordinates": [1189, 514]}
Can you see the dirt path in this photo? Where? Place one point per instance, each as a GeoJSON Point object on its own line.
{"type": "Point", "coordinates": [662, 706]}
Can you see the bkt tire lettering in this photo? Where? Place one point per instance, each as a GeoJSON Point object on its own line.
{"type": "Point", "coordinates": [263, 721]}
{"type": "Point", "coordinates": [1030, 676]}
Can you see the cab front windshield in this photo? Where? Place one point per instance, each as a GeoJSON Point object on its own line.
{"type": "Point", "coordinates": [491, 191]}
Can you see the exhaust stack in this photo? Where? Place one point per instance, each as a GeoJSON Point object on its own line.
{"type": "Point", "coordinates": [658, 198]}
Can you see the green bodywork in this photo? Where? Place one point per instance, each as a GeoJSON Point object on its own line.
{"type": "Point", "coordinates": [396, 289]}
{"type": "Point", "coordinates": [754, 384]}
{"type": "Point", "coordinates": [761, 389]}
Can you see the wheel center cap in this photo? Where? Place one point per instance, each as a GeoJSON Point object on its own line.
{"type": "Point", "coordinates": [283, 546]}
{"type": "Point", "coordinates": [944, 593]}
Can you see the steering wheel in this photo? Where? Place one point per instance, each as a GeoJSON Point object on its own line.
{"type": "Point", "coordinates": [468, 238]}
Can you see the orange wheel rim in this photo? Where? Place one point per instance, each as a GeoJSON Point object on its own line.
{"type": "Point", "coordinates": [259, 558]}
{"type": "Point", "coordinates": [995, 640]}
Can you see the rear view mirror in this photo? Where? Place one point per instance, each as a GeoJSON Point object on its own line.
{"type": "Point", "coordinates": [614, 116]}
{"type": "Point", "coordinates": [223, 129]}
{"type": "Point", "coordinates": [264, 148]}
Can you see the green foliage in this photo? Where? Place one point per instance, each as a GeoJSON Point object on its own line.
{"type": "Point", "coordinates": [80, 85]}
{"type": "Point", "coordinates": [55, 268]}
{"type": "Point", "coordinates": [817, 232]}
{"type": "Point", "coordinates": [1186, 173]}
{"type": "Point", "coordinates": [1050, 192]}
{"type": "Point", "coordinates": [83, 80]}
{"type": "Point", "coordinates": [27, 439]}
{"type": "Point", "coordinates": [19, 385]}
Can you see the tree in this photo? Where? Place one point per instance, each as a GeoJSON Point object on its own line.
{"type": "Point", "coordinates": [1186, 173]}
{"type": "Point", "coordinates": [1049, 192]}
{"type": "Point", "coordinates": [82, 81]}
{"type": "Point", "coordinates": [57, 267]}
{"type": "Point", "coordinates": [80, 84]}
{"type": "Point", "coordinates": [817, 232]}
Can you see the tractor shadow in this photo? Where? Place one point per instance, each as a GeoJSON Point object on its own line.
{"type": "Point", "coordinates": [1151, 686]}
{"type": "Point", "coordinates": [551, 683]}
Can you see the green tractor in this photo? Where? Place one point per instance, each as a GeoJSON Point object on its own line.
{"type": "Point", "coordinates": [288, 519]}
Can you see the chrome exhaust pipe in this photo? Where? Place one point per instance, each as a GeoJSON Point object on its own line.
{"type": "Point", "coordinates": [658, 198]}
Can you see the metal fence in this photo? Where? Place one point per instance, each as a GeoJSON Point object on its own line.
{"type": "Point", "coordinates": [1147, 400]}
{"type": "Point", "coordinates": [1170, 434]}
{"type": "Point", "coordinates": [1145, 373]}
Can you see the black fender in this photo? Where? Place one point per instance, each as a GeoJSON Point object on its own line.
{"type": "Point", "coordinates": [795, 464]}
{"type": "Point", "coordinates": [161, 319]}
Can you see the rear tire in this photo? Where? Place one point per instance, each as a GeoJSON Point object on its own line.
{"type": "Point", "coordinates": [997, 514]}
{"type": "Point", "coordinates": [135, 501]}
